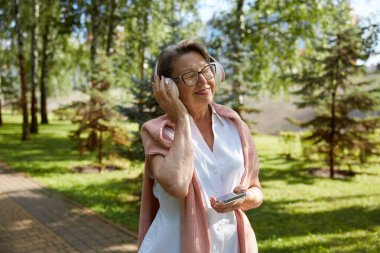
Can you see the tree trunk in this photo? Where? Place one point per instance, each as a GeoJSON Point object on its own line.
{"type": "Point", "coordinates": [94, 34]}
{"type": "Point", "coordinates": [112, 7]}
{"type": "Point", "coordinates": [336, 82]}
{"type": "Point", "coordinates": [34, 68]}
{"type": "Point", "coordinates": [332, 136]}
{"type": "Point", "coordinates": [1, 115]}
{"type": "Point", "coordinates": [100, 148]}
{"type": "Point", "coordinates": [143, 46]}
{"type": "Point", "coordinates": [21, 59]}
{"type": "Point", "coordinates": [44, 72]}
{"type": "Point", "coordinates": [237, 41]}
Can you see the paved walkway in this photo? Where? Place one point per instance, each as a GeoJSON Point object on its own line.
{"type": "Point", "coordinates": [34, 219]}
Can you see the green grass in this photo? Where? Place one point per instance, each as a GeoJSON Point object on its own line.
{"type": "Point", "coordinates": [300, 213]}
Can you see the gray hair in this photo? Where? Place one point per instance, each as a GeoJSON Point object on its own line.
{"type": "Point", "coordinates": [166, 57]}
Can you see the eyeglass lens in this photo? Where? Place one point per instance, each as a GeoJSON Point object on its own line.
{"type": "Point", "coordinates": [192, 77]}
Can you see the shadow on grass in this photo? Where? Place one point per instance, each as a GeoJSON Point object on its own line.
{"type": "Point", "coordinates": [272, 220]}
{"type": "Point", "coordinates": [116, 199]}
{"type": "Point", "coordinates": [339, 244]}
{"type": "Point", "coordinates": [276, 167]}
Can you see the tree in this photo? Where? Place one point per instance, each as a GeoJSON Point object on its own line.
{"type": "Point", "coordinates": [258, 41]}
{"type": "Point", "coordinates": [95, 117]}
{"type": "Point", "coordinates": [345, 121]}
{"type": "Point", "coordinates": [34, 67]}
{"type": "Point", "coordinates": [21, 59]}
{"type": "Point", "coordinates": [238, 57]}
{"type": "Point", "coordinates": [111, 26]}
{"type": "Point", "coordinates": [1, 108]}
{"type": "Point", "coordinates": [46, 54]}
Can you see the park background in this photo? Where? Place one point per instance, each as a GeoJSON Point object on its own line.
{"type": "Point", "coordinates": [75, 89]}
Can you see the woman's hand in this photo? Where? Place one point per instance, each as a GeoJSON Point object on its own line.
{"type": "Point", "coordinates": [253, 199]}
{"type": "Point", "coordinates": [221, 207]}
{"type": "Point", "coordinates": [167, 100]}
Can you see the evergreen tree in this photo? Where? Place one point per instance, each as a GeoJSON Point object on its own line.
{"type": "Point", "coordinates": [97, 117]}
{"type": "Point", "coordinates": [345, 121]}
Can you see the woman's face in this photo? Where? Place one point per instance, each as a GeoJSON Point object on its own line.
{"type": "Point", "coordinates": [202, 93]}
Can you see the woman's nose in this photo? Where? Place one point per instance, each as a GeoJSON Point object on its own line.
{"type": "Point", "coordinates": [201, 79]}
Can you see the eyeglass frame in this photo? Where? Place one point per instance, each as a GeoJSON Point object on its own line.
{"type": "Point", "coordinates": [213, 70]}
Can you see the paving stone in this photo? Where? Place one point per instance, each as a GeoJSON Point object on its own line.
{"type": "Point", "coordinates": [34, 219]}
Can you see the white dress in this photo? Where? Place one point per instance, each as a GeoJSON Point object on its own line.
{"type": "Point", "coordinates": [219, 172]}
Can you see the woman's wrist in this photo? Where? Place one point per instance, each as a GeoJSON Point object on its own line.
{"type": "Point", "coordinates": [254, 198]}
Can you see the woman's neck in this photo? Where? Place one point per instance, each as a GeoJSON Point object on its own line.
{"type": "Point", "coordinates": [201, 113]}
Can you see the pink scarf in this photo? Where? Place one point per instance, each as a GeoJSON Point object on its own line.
{"type": "Point", "coordinates": [194, 231]}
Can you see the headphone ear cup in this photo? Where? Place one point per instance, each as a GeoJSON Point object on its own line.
{"type": "Point", "coordinates": [219, 71]}
{"type": "Point", "coordinates": [174, 86]}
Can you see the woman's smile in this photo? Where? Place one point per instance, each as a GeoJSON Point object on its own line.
{"type": "Point", "coordinates": [202, 92]}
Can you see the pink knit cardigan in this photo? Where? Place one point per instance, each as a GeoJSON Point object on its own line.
{"type": "Point", "coordinates": [194, 232]}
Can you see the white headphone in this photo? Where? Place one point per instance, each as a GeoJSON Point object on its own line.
{"type": "Point", "coordinates": [219, 75]}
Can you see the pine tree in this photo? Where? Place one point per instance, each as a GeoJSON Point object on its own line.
{"type": "Point", "coordinates": [144, 107]}
{"type": "Point", "coordinates": [345, 123]}
{"type": "Point", "coordinates": [96, 117]}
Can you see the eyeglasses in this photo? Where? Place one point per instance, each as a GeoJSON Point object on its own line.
{"type": "Point", "coordinates": [191, 78]}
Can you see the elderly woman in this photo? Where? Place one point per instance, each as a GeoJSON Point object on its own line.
{"type": "Point", "coordinates": [195, 153]}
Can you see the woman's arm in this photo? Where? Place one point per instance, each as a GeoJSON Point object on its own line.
{"type": "Point", "coordinates": [174, 171]}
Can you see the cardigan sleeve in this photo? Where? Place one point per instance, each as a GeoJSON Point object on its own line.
{"type": "Point", "coordinates": [154, 142]}
{"type": "Point", "coordinates": [153, 136]}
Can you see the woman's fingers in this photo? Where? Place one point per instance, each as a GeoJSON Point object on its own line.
{"type": "Point", "coordinates": [226, 207]}
{"type": "Point", "coordinates": [159, 91]}
{"type": "Point", "coordinates": [240, 189]}
{"type": "Point", "coordinates": [155, 85]}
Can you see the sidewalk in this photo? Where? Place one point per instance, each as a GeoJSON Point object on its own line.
{"type": "Point", "coordinates": [34, 219]}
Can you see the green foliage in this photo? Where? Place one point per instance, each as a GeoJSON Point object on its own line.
{"type": "Point", "coordinates": [263, 41]}
{"type": "Point", "coordinates": [143, 108]}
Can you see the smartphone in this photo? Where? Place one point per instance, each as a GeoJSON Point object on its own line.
{"type": "Point", "coordinates": [229, 197]}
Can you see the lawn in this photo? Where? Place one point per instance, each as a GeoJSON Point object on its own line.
{"type": "Point", "coordinates": [300, 213]}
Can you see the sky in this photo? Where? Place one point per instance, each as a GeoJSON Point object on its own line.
{"type": "Point", "coordinates": [363, 8]}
